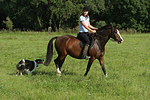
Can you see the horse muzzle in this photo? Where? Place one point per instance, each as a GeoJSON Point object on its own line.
{"type": "Point", "coordinates": [120, 41]}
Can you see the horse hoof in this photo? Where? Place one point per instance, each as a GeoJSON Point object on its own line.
{"type": "Point", "coordinates": [106, 75]}
{"type": "Point", "coordinates": [85, 75]}
{"type": "Point", "coordinates": [58, 71]}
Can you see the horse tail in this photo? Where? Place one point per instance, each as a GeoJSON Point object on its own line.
{"type": "Point", "coordinates": [49, 52]}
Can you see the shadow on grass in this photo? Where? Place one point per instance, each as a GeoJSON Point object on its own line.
{"type": "Point", "coordinates": [65, 72]}
{"type": "Point", "coordinates": [43, 73]}
{"type": "Point", "coordinates": [11, 74]}
{"type": "Point", "coordinates": [34, 73]}
{"type": "Point", "coordinates": [14, 73]}
{"type": "Point", "coordinates": [53, 73]}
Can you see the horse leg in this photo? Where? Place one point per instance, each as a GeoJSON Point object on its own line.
{"type": "Point", "coordinates": [89, 65]}
{"type": "Point", "coordinates": [101, 60]}
{"type": "Point", "coordinates": [61, 63]}
{"type": "Point", "coordinates": [58, 62]}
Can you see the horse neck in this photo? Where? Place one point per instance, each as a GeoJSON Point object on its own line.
{"type": "Point", "coordinates": [103, 37]}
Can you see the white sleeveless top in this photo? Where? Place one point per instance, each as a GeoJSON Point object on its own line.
{"type": "Point", "coordinates": [86, 21]}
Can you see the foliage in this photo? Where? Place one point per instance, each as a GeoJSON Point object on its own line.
{"type": "Point", "coordinates": [9, 23]}
{"type": "Point", "coordinates": [40, 14]}
{"type": "Point", "coordinates": [128, 13]}
{"type": "Point", "coordinates": [63, 11]}
{"type": "Point", "coordinates": [97, 6]}
{"type": "Point", "coordinates": [100, 24]}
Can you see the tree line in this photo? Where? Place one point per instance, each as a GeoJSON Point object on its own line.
{"type": "Point", "coordinates": [62, 14]}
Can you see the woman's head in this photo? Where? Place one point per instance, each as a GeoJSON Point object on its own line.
{"type": "Point", "coordinates": [85, 11]}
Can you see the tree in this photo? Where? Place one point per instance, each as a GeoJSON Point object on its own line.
{"type": "Point", "coordinates": [97, 7]}
{"type": "Point", "coordinates": [40, 14]}
{"type": "Point", "coordinates": [127, 13]}
{"type": "Point", "coordinates": [61, 11]}
{"type": "Point", "coordinates": [40, 11]}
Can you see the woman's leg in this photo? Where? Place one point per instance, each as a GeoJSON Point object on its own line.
{"type": "Point", "coordinates": [85, 39]}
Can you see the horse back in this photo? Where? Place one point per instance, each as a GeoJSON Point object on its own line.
{"type": "Point", "coordinates": [68, 44]}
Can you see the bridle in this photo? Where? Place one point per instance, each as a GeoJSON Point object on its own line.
{"type": "Point", "coordinates": [112, 33]}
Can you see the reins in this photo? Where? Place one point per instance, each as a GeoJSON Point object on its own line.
{"type": "Point", "coordinates": [100, 35]}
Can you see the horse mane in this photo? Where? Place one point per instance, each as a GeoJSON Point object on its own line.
{"type": "Point", "coordinates": [106, 27]}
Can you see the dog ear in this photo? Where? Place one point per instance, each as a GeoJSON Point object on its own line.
{"type": "Point", "coordinates": [23, 60]}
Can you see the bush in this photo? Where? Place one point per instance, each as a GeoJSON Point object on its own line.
{"type": "Point", "coordinates": [100, 24]}
{"type": "Point", "coordinates": [9, 23]}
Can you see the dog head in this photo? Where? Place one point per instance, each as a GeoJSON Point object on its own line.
{"type": "Point", "coordinates": [39, 61]}
{"type": "Point", "coordinates": [22, 62]}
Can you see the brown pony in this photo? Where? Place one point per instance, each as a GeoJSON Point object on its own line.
{"type": "Point", "coordinates": [68, 44]}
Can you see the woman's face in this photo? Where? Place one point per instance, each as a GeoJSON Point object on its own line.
{"type": "Point", "coordinates": [85, 13]}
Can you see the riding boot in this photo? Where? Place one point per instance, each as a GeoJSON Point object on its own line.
{"type": "Point", "coordinates": [85, 51]}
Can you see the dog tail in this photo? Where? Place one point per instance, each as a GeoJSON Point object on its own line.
{"type": "Point", "coordinates": [49, 52]}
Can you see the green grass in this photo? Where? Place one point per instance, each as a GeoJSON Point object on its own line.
{"type": "Point", "coordinates": [127, 66]}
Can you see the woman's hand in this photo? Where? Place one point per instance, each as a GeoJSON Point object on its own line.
{"type": "Point", "coordinates": [96, 28]}
{"type": "Point", "coordinates": [93, 31]}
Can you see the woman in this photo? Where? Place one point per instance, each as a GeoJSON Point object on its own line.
{"type": "Point", "coordinates": [85, 26]}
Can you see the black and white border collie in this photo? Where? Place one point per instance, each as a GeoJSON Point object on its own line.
{"type": "Point", "coordinates": [28, 66]}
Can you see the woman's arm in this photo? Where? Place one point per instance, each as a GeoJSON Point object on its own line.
{"type": "Point", "coordinates": [92, 27]}
{"type": "Point", "coordinates": [87, 27]}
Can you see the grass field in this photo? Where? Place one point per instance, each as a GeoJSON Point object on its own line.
{"type": "Point", "coordinates": [127, 66]}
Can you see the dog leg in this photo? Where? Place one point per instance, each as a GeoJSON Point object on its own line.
{"type": "Point", "coordinates": [27, 71]}
{"type": "Point", "coordinates": [21, 73]}
{"type": "Point", "coordinates": [17, 73]}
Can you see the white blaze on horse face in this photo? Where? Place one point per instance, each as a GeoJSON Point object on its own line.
{"type": "Point", "coordinates": [58, 71]}
{"type": "Point", "coordinates": [120, 35]}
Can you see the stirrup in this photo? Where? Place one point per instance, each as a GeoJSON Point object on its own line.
{"type": "Point", "coordinates": [87, 57]}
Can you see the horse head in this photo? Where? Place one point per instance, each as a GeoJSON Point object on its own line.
{"type": "Point", "coordinates": [110, 31]}
{"type": "Point", "coordinates": [115, 34]}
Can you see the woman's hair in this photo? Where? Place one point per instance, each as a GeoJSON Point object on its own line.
{"type": "Point", "coordinates": [86, 8]}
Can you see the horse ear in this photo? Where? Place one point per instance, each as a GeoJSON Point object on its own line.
{"type": "Point", "coordinates": [115, 26]}
{"type": "Point", "coordinates": [111, 25]}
